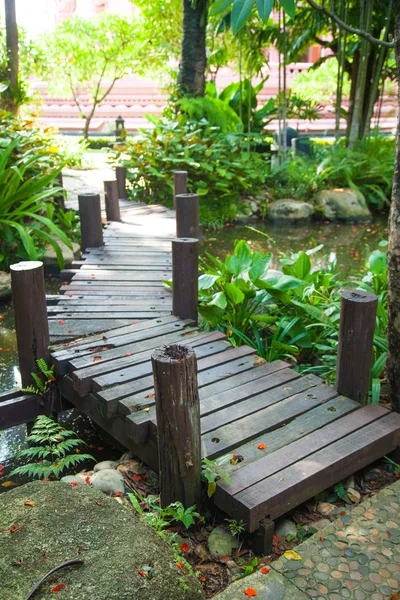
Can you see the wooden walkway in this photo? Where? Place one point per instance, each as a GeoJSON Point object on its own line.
{"type": "Point", "coordinates": [287, 437]}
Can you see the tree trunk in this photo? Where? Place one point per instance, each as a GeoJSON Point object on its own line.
{"type": "Point", "coordinates": [12, 52]}
{"type": "Point", "coordinates": [393, 330]}
{"type": "Point", "coordinates": [193, 58]}
{"type": "Point", "coordinates": [357, 113]}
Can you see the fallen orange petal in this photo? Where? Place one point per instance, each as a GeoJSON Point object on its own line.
{"type": "Point", "coordinates": [261, 446]}
{"type": "Point", "coordinates": [265, 570]}
{"type": "Point", "coordinates": [58, 587]}
{"type": "Point", "coordinates": [61, 322]}
{"type": "Point", "coordinates": [250, 592]}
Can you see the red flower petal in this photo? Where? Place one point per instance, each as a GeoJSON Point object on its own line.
{"type": "Point", "coordinates": [250, 592]}
{"type": "Point", "coordinates": [184, 547]}
{"type": "Point", "coordinates": [61, 322]}
{"type": "Point", "coordinates": [58, 587]}
{"type": "Point", "coordinates": [261, 446]}
{"type": "Point", "coordinates": [265, 570]}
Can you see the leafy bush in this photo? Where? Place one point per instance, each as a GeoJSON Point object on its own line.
{"type": "Point", "coordinates": [29, 165]}
{"type": "Point", "coordinates": [53, 445]}
{"type": "Point", "coordinates": [368, 167]}
{"type": "Point", "coordinates": [220, 169]}
{"type": "Point", "coordinates": [293, 314]}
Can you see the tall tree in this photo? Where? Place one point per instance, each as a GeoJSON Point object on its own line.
{"type": "Point", "coordinates": [12, 52]}
{"type": "Point", "coordinates": [194, 57]}
{"type": "Point", "coordinates": [393, 365]}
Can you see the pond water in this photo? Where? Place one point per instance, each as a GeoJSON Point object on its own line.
{"type": "Point", "coordinates": [351, 244]}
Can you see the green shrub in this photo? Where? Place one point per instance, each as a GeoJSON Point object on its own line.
{"type": "Point", "coordinates": [293, 314]}
{"type": "Point", "coordinates": [29, 165]}
{"type": "Point", "coordinates": [368, 167]}
{"type": "Point", "coordinates": [220, 169]}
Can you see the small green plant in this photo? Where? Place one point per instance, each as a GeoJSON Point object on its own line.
{"type": "Point", "coordinates": [250, 568]}
{"type": "Point", "coordinates": [160, 518]}
{"type": "Point", "coordinates": [211, 471]}
{"type": "Point", "coordinates": [341, 492]}
{"type": "Point", "coordinates": [52, 448]}
{"type": "Point", "coordinates": [392, 465]}
{"type": "Point", "coordinates": [43, 379]}
{"type": "Point", "coordinates": [236, 527]}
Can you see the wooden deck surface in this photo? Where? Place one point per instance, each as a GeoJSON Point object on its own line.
{"type": "Point", "coordinates": [287, 437]}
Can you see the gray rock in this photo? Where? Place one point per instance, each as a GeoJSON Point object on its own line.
{"type": "Point", "coordinates": [108, 481]}
{"type": "Point", "coordinates": [221, 542]}
{"type": "Point", "coordinates": [285, 527]}
{"type": "Point", "coordinates": [273, 586]}
{"type": "Point", "coordinates": [113, 541]}
{"type": "Point", "coordinates": [126, 457]}
{"type": "Point", "coordinates": [5, 285]}
{"type": "Point", "coordinates": [289, 211]}
{"type": "Point", "coordinates": [50, 257]}
{"type": "Point", "coordinates": [105, 464]}
{"type": "Point", "coordinates": [79, 479]}
{"type": "Point", "coordinates": [343, 205]}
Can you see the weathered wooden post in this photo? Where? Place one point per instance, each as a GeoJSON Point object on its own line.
{"type": "Point", "coordinates": [185, 278]}
{"type": "Point", "coordinates": [111, 200]}
{"type": "Point", "coordinates": [31, 323]}
{"type": "Point", "coordinates": [180, 183]}
{"type": "Point", "coordinates": [187, 215]}
{"type": "Point", "coordinates": [178, 424]}
{"type": "Point", "coordinates": [356, 336]}
{"type": "Point", "coordinates": [120, 176]}
{"type": "Point", "coordinates": [90, 216]}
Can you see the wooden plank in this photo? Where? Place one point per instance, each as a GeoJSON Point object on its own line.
{"type": "Point", "coordinates": [218, 354]}
{"type": "Point", "coordinates": [136, 295]}
{"type": "Point", "coordinates": [136, 342]}
{"type": "Point", "coordinates": [144, 289]}
{"type": "Point", "coordinates": [254, 426]}
{"type": "Point", "coordinates": [290, 487]}
{"type": "Point", "coordinates": [104, 314]}
{"type": "Point", "coordinates": [95, 307]}
{"type": "Point", "coordinates": [302, 425]}
{"type": "Point", "coordinates": [274, 462]}
{"type": "Point", "coordinates": [110, 397]}
{"type": "Point", "coordinates": [73, 328]}
{"type": "Point", "coordinates": [121, 262]}
{"type": "Point", "coordinates": [9, 394]}
{"type": "Point", "coordinates": [133, 403]}
{"type": "Point", "coordinates": [87, 300]}
{"type": "Point", "coordinates": [61, 357]}
{"type": "Point", "coordinates": [82, 378]}
{"type": "Point", "coordinates": [275, 391]}
{"type": "Point", "coordinates": [114, 275]}
{"type": "Point", "coordinates": [138, 421]}
{"type": "Point", "coordinates": [24, 408]}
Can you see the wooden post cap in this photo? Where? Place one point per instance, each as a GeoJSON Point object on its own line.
{"type": "Point", "coordinates": [361, 296]}
{"type": "Point", "coordinates": [173, 353]}
{"type": "Point", "coordinates": [26, 265]}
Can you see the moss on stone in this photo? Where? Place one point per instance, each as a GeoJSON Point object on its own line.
{"type": "Point", "coordinates": [79, 522]}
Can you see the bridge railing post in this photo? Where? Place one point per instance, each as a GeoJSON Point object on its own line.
{"type": "Point", "coordinates": [185, 278]}
{"type": "Point", "coordinates": [111, 200]}
{"type": "Point", "coordinates": [187, 215]}
{"type": "Point", "coordinates": [120, 176]}
{"type": "Point", "coordinates": [90, 217]}
{"type": "Point", "coordinates": [31, 322]}
{"type": "Point", "coordinates": [180, 183]}
{"type": "Point", "coordinates": [356, 338]}
{"type": "Point", "coordinates": [178, 424]}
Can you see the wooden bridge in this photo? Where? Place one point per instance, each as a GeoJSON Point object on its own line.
{"type": "Point", "coordinates": [288, 437]}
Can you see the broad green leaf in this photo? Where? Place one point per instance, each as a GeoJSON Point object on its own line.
{"type": "Point", "coordinates": [212, 314]}
{"type": "Point", "coordinates": [241, 11]}
{"type": "Point", "coordinates": [240, 261]}
{"type": "Point", "coordinates": [281, 283]}
{"type": "Point", "coordinates": [234, 293]}
{"type": "Point", "coordinates": [220, 6]}
{"type": "Point", "coordinates": [303, 265]}
{"type": "Point", "coordinates": [377, 262]}
{"type": "Point", "coordinates": [219, 300]}
{"type": "Point", "coordinates": [289, 6]}
{"type": "Point", "coordinates": [264, 8]}
{"type": "Point", "coordinates": [206, 281]}
{"type": "Point", "coordinates": [260, 267]}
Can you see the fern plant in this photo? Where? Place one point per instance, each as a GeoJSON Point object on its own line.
{"type": "Point", "coordinates": [43, 380]}
{"type": "Point", "coordinates": [52, 450]}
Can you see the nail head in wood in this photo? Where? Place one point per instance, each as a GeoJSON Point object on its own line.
{"type": "Point", "coordinates": [185, 278]}
{"type": "Point", "coordinates": [31, 323]}
{"type": "Point", "coordinates": [187, 215]}
{"type": "Point", "coordinates": [356, 336]}
{"type": "Point", "coordinates": [90, 217]}
{"type": "Point", "coordinates": [111, 200]}
{"type": "Point", "coordinates": [178, 424]}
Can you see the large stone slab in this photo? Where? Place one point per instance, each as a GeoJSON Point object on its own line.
{"type": "Point", "coordinates": [78, 522]}
{"type": "Point", "coordinates": [272, 586]}
{"type": "Point", "coordinates": [343, 204]}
